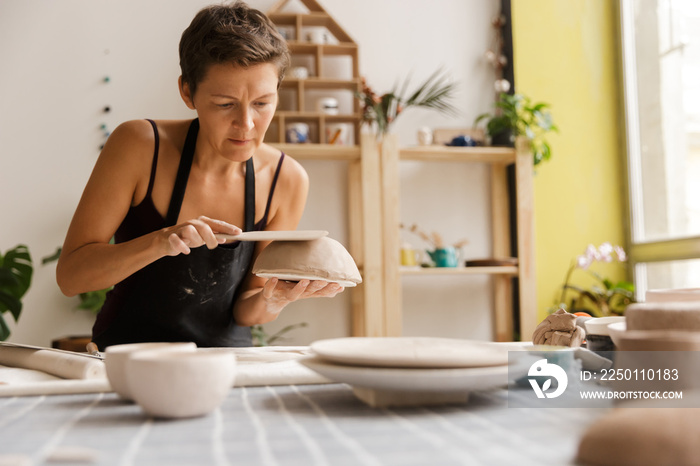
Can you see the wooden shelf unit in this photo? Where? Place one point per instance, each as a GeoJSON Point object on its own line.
{"type": "Point", "coordinates": [498, 158]}
{"type": "Point", "coordinates": [318, 79]}
{"type": "Point", "coordinates": [373, 189]}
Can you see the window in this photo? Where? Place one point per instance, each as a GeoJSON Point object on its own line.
{"type": "Point", "coordinates": [661, 71]}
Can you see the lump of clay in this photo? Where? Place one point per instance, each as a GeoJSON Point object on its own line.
{"type": "Point", "coordinates": [319, 259]}
{"type": "Point", "coordinates": [642, 436]}
{"type": "Point", "coordinates": [559, 329]}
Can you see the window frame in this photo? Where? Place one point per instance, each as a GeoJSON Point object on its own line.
{"type": "Point", "coordinates": [640, 252]}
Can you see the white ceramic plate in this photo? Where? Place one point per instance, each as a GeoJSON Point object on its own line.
{"type": "Point", "coordinates": [416, 352]}
{"type": "Point", "coordinates": [411, 380]}
{"type": "Point", "coordinates": [292, 277]}
{"type": "Point", "coordinates": [272, 235]}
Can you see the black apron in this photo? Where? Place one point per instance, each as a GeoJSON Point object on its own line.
{"type": "Point", "coordinates": [187, 297]}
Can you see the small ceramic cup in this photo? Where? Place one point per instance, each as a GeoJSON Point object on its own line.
{"type": "Point", "coordinates": [297, 133]}
{"type": "Point", "coordinates": [318, 36]}
{"type": "Point", "coordinates": [327, 105]}
{"type": "Point", "coordinates": [181, 384]}
{"type": "Point", "coordinates": [339, 134]}
{"type": "Point", "coordinates": [425, 136]}
{"type": "Point", "coordinates": [299, 72]}
{"type": "Point", "coordinates": [409, 256]}
{"type": "Point", "coordinates": [116, 357]}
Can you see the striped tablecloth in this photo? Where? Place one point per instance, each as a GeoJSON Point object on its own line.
{"type": "Point", "coordinates": [289, 425]}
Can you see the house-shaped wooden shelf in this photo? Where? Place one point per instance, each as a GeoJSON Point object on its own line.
{"type": "Point", "coordinates": [330, 56]}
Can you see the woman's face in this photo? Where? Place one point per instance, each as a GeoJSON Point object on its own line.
{"type": "Point", "coordinates": [235, 106]}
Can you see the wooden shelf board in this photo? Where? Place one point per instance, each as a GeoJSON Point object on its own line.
{"type": "Point", "coordinates": [290, 18]}
{"type": "Point", "coordinates": [315, 19]}
{"type": "Point", "coordinates": [310, 48]}
{"type": "Point", "coordinates": [290, 115]}
{"type": "Point", "coordinates": [302, 48]}
{"type": "Point", "coordinates": [456, 154]}
{"type": "Point", "coordinates": [322, 83]}
{"type": "Point", "coordinates": [342, 48]}
{"type": "Point", "coordinates": [284, 19]}
{"type": "Point", "coordinates": [319, 151]}
{"type": "Point", "coordinates": [499, 270]}
{"type": "Point", "coordinates": [343, 118]}
{"type": "Point", "coordinates": [296, 116]}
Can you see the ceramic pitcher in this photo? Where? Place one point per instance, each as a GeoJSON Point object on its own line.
{"type": "Point", "coordinates": [445, 257]}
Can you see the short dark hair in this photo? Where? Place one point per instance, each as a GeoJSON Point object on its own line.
{"type": "Point", "coordinates": [233, 33]}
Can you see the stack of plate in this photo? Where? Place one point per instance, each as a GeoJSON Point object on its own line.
{"type": "Point", "coordinates": [406, 371]}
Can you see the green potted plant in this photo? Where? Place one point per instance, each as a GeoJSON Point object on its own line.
{"type": "Point", "coordinates": [516, 115]}
{"type": "Point", "coordinates": [16, 271]}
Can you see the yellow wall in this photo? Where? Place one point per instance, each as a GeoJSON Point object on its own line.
{"type": "Point", "coordinates": [565, 54]}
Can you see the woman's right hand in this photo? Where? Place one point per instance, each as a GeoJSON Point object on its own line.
{"type": "Point", "coordinates": [181, 238]}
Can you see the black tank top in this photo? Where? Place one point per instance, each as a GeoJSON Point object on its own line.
{"type": "Point", "coordinates": [184, 297]}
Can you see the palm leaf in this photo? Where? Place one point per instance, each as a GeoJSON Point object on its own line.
{"type": "Point", "coordinates": [433, 94]}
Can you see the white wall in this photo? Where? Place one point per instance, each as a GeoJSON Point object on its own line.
{"type": "Point", "coordinates": [55, 55]}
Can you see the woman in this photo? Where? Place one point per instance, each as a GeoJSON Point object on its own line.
{"type": "Point", "coordinates": [164, 189]}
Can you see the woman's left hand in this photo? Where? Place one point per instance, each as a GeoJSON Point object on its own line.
{"type": "Point", "coordinates": [279, 293]}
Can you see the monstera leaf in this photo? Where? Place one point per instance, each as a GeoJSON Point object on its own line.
{"type": "Point", "coordinates": [15, 277]}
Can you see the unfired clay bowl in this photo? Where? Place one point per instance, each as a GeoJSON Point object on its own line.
{"type": "Point", "coordinates": [672, 295]}
{"type": "Point", "coordinates": [181, 384]}
{"type": "Point", "coordinates": [659, 340]}
{"type": "Point", "coordinates": [116, 357]}
{"type": "Point", "coordinates": [672, 315]}
{"type": "Point", "coordinates": [319, 259]}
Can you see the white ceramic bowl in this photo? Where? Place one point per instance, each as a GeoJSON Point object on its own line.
{"type": "Point", "coordinates": [116, 357]}
{"type": "Point", "coordinates": [181, 384]}
{"type": "Point", "coordinates": [599, 325]}
{"type": "Point", "coordinates": [616, 330]}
